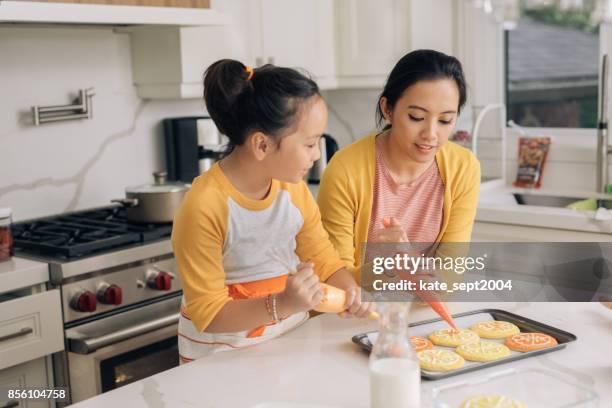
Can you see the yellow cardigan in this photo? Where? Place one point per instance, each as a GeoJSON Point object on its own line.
{"type": "Point", "coordinates": [345, 196]}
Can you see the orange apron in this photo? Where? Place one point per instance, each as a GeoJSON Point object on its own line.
{"type": "Point", "coordinates": [257, 290]}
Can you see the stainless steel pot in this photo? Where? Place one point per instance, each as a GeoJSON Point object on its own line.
{"type": "Point", "coordinates": [155, 203]}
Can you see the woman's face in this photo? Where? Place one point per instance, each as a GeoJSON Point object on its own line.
{"type": "Point", "coordinates": [423, 118]}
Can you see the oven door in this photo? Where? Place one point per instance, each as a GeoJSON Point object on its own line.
{"type": "Point", "coordinates": [117, 350]}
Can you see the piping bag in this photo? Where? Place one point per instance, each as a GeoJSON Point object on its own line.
{"type": "Point", "coordinates": [440, 308]}
{"type": "Point", "coordinates": [431, 299]}
{"type": "Point", "coordinates": [334, 298]}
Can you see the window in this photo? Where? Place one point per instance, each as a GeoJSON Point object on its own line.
{"type": "Point", "coordinates": [552, 65]}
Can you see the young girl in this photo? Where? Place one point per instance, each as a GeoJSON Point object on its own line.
{"type": "Point", "coordinates": [248, 239]}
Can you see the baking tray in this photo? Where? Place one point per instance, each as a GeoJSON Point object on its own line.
{"type": "Point", "coordinates": [467, 319]}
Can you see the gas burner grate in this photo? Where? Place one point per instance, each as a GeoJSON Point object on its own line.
{"type": "Point", "coordinates": [83, 233]}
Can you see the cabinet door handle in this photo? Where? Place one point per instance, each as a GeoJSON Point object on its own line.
{"type": "Point", "coordinates": [258, 61]}
{"type": "Point", "coordinates": [23, 332]}
{"type": "Point", "coordinates": [11, 404]}
{"type": "Point", "coordinates": [271, 60]}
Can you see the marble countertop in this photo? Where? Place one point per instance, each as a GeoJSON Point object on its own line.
{"type": "Point", "coordinates": [17, 273]}
{"type": "Point", "coordinates": [316, 365]}
{"type": "Point", "coordinates": [497, 205]}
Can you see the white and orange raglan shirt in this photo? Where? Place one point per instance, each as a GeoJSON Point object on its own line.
{"type": "Point", "coordinates": [227, 247]}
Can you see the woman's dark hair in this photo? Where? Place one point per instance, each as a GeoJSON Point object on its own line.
{"type": "Point", "coordinates": [420, 65]}
{"type": "Point", "coordinates": [267, 101]}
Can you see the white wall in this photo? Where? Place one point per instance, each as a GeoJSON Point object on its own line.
{"type": "Point", "coordinates": [79, 164]}
{"type": "Point", "coordinates": [351, 113]}
{"type": "Point", "coordinates": [72, 165]}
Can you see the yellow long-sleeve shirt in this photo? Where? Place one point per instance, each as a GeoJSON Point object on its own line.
{"type": "Point", "coordinates": [221, 238]}
{"type": "Point", "coordinates": [346, 190]}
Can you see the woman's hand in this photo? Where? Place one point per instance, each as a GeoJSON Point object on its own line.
{"type": "Point", "coordinates": [302, 291]}
{"type": "Point", "coordinates": [392, 232]}
{"type": "Point", "coordinates": [355, 307]}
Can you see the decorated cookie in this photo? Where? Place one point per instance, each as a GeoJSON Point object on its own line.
{"type": "Point", "coordinates": [453, 338]}
{"type": "Point", "coordinates": [483, 351]}
{"type": "Point", "coordinates": [420, 343]}
{"type": "Point", "coordinates": [492, 401]}
{"type": "Point", "coordinates": [439, 360]}
{"type": "Point", "coordinates": [530, 341]}
{"type": "Point", "coordinates": [495, 329]}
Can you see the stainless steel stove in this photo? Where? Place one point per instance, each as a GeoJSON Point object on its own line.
{"type": "Point", "coordinates": [120, 295]}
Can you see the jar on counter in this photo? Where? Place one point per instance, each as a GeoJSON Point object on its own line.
{"type": "Point", "coordinates": [395, 375]}
{"type": "Point", "coordinates": [6, 235]}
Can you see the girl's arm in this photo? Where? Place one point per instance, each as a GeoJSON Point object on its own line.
{"type": "Point", "coordinates": [302, 293]}
{"type": "Point", "coordinates": [343, 279]}
{"type": "Point", "coordinates": [240, 315]}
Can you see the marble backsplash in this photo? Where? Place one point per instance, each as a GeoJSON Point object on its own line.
{"type": "Point", "coordinates": [72, 165]}
{"type": "Point", "coordinates": [77, 164]}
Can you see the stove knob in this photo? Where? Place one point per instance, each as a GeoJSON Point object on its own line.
{"type": "Point", "coordinates": [84, 301]}
{"type": "Point", "coordinates": [160, 281]}
{"type": "Point", "coordinates": [110, 295]}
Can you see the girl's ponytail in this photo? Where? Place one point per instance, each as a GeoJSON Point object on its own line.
{"type": "Point", "coordinates": [226, 82]}
{"type": "Point", "coordinates": [241, 100]}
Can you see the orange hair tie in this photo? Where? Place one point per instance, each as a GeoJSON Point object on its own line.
{"type": "Point", "coordinates": [250, 71]}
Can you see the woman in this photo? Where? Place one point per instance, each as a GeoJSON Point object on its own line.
{"type": "Point", "coordinates": [406, 183]}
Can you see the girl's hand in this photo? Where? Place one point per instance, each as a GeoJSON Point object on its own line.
{"type": "Point", "coordinates": [302, 292]}
{"type": "Point", "coordinates": [354, 306]}
{"type": "Point", "coordinates": [392, 232]}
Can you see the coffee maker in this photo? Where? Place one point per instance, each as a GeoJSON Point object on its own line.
{"type": "Point", "coordinates": [328, 147]}
{"type": "Point", "coordinates": [193, 145]}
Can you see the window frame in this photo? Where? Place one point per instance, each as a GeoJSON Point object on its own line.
{"type": "Point", "coordinates": [550, 130]}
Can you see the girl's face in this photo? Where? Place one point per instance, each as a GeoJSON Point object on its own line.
{"type": "Point", "coordinates": [423, 118]}
{"type": "Point", "coordinates": [298, 151]}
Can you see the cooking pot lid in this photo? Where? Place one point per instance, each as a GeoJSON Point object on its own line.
{"type": "Point", "coordinates": [160, 186]}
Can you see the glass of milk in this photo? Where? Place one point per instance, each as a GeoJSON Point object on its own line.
{"type": "Point", "coordinates": [395, 376]}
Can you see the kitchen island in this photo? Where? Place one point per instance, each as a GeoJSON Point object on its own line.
{"type": "Point", "coordinates": [318, 364]}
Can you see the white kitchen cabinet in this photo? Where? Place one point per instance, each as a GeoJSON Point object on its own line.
{"type": "Point", "coordinates": [168, 62]}
{"type": "Point", "coordinates": [296, 33]}
{"type": "Point", "coordinates": [30, 327]}
{"type": "Point", "coordinates": [372, 36]}
{"type": "Point", "coordinates": [292, 33]}
{"type": "Point", "coordinates": [33, 374]}
{"type": "Point", "coordinates": [342, 43]}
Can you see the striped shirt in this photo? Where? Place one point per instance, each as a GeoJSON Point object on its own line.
{"type": "Point", "coordinates": [416, 205]}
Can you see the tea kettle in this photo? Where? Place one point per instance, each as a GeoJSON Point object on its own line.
{"type": "Point", "coordinates": [328, 146]}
